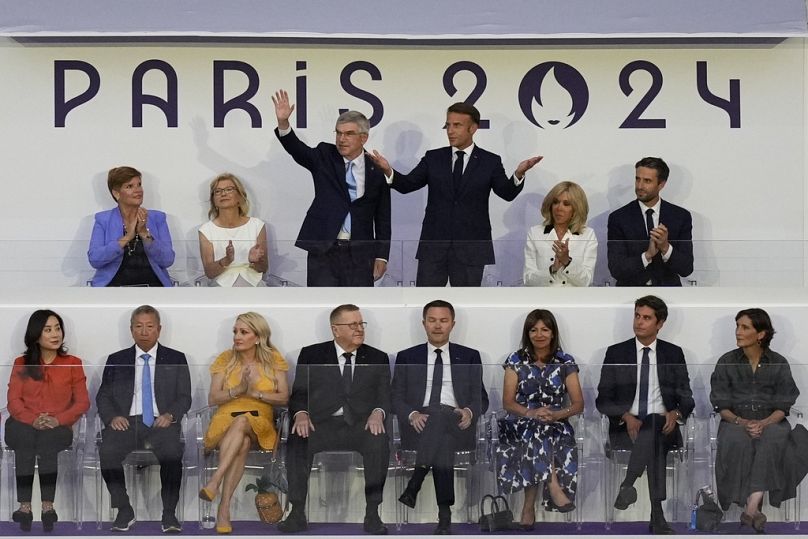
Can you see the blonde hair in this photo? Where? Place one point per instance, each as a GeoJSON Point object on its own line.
{"type": "Point", "coordinates": [244, 204]}
{"type": "Point", "coordinates": [580, 207]}
{"type": "Point", "coordinates": [265, 352]}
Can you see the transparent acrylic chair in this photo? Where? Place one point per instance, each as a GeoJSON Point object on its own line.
{"type": "Point", "coordinates": [467, 464]}
{"type": "Point", "coordinates": [790, 510]}
{"type": "Point", "coordinates": [578, 425]}
{"type": "Point", "coordinates": [257, 459]}
{"type": "Point", "coordinates": [70, 468]}
{"type": "Point", "coordinates": [677, 467]}
{"type": "Point", "coordinates": [136, 467]}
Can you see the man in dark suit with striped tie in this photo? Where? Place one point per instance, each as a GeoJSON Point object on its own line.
{"type": "Point", "coordinates": [438, 397]}
{"type": "Point", "coordinates": [339, 401]}
{"type": "Point", "coordinates": [645, 391]}
{"type": "Point", "coordinates": [346, 231]}
{"type": "Point", "coordinates": [650, 240]}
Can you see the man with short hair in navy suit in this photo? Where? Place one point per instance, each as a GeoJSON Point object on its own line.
{"type": "Point", "coordinates": [346, 231]}
{"type": "Point", "coordinates": [644, 390]}
{"type": "Point", "coordinates": [145, 390]}
{"type": "Point", "coordinates": [438, 407]}
{"type": "Point", "coordinates": [650, 241]}
{"type": "Point", "coordinates": [455, 242]}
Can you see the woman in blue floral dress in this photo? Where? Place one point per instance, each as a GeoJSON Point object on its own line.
{"type": "Point", "coordinates": [536, 442]}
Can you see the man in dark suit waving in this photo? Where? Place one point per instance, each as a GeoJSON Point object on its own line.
{"type": "Point", "coordinates": [145, 391]}
{"type": "Point", "coordinates": [339, 401]}
{"type": "Point", "coordinates": [346, 230]}
{"type": "Point", "coordinates": [645, 391]}
{"type": "Point", "coordinates": [455, 242]}
{"type": "Point", "coordinates": [650, 241]}
{"type": "Point", "coordinates": [438, 407]}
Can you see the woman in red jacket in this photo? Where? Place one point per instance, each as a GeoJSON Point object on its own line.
{"type": "Point", "coordinates": [47, 393]}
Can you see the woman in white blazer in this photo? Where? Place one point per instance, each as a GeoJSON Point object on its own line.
{"type": "Point", "coordinates": [562, 250]}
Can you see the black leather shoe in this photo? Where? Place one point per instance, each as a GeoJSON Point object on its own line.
{"type": "Point", "coordinates": [444, 527]}
{"type": "Point", "coordinates": [660, 526]}
{"type": "Point", "coordinates": [170, 524]}
{"type": "Point", "coordinates": [295, 522]}
{"type": "Point", "coordinates": [124, 519]}
{"type": "Point", "coordinates": [408, 498]}
{"type": "Point", "coordinates": [23, 518]}
{"type": "Point", "coordinates": [49, 518]}
{"type": "Point", "coordinates": [626, 497]}
{"type": "Point", "coordinates": [566, 508]}
{"type": "Point", "coordinates": [374, 525]}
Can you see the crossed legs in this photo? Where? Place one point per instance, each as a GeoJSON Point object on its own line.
{"type": "Point", "coordinates": [233, 450]}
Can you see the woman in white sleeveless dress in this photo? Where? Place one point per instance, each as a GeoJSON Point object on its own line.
{"type": "Point", "coordinates": [233, 245]}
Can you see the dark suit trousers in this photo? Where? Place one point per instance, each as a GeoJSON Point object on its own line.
{"type": "Point", "coordinates": [28, 443]}
{"type": "Point", "coordinates": [648, 452]}
{"type": "Point", "coordinates": [340, 266]}
{"type": "Point", "coordinates": [165, 444]}
{"type": "Point", "coordinates": [436, 448]}
{"type": "Point", "coordinates": [436, 272]}
{"type": "Point", "coordinates": [334, 434]}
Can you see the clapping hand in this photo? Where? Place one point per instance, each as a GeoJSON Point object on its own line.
{"type": "Point", "coordinates": [256, 254]}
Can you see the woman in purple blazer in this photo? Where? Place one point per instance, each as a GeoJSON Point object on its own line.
{"type": "Point", "coordinates": [130, 245]}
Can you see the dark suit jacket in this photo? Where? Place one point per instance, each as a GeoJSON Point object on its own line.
{"type": "Point", "coordinates": [318, 383]}
{"type": "Point", "coordinates": [370, 214]}
{"type": "Point", "coordinates": [618, 379]}
{"type": "Point", "coordinates": [458, 220]}
{"type": "Point", "coordinates": [409, 387]}
{"type": "Point", "coordinates": [628, 239]}
{"type": "Point", "coordinates": [172, 384]}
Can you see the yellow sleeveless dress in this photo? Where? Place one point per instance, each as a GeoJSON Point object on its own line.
{"type": "Point", "coordinates": [264, 423]}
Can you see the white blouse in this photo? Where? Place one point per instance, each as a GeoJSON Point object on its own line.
{"type": "Point", "coordinates": [539, 257]}
{"type": "Point", "coordinates": [244, 238]}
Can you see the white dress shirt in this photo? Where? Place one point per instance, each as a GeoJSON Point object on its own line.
{"type": "Point", "coordinates": [655, 218]}
{"type": "Point", "coordinates": [447, 395]}
{"type": "Point", "coordinates": [655, 403]}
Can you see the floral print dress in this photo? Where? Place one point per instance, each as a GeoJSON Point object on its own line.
{"type": "Point", "coordinates": [528, 448]}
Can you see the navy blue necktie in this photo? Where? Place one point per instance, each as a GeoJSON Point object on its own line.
{"type": "Point", "coordinates": [457, 170]}
{"type": "Point", "coordinates": [642, 409]}
{"type": "Point", "coordinates": [649, 220]}
{"type": "Point", "coordinates": [437, 379]}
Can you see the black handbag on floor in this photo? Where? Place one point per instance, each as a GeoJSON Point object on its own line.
{"type": "Point", "coordinates": [708, 514]}
{"type": "Point", "coordinates": [499, 518]}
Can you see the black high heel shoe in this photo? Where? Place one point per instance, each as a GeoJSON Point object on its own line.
{"type": "Point", "coordinates": [49, 518]}
{"type": "Point", "coordinates": [23, 518]}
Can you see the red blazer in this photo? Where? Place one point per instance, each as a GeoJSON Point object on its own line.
{"type": "Point", "coordinates": [62, 392]}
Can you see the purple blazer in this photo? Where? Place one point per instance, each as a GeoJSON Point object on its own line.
{"type": "Point", "coordinates": [105, 255]}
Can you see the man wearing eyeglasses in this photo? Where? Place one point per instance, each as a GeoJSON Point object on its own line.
{"type": "Point", "coordinates": [346, 231]}
{"type": "Point", "coordinates": [455, 243]}
{"type": "Point", "coordinates": [339, 401]}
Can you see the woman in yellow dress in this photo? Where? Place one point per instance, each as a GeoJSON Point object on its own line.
{"type": "Point", "coordinates": [246, 382]}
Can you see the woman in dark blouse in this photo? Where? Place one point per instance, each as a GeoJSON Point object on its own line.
{"type": "Point", "coordinates": [753, 390]}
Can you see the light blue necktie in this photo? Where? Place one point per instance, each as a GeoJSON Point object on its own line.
{"type": "Point", "coordinates": [146, 393]}
{"type": "Point", "coordinates": [351, 181]}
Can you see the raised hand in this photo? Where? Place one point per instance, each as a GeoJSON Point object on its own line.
{"type": "Point", "coordinates": [381, 162]}
{"type": "Point", "coordinates": [526, 165]}
{"type": "Point", "coordinates": [283, 109]}
{"type": "Point", "coordinates": [256, 254]}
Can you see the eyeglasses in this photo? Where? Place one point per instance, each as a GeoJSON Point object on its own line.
{"type": "Point", "coordinates": [346, 134]}
{"type": "Point", "coordinates": [354, 325]}
{"type": "Point", "coordinates": [224, 191]}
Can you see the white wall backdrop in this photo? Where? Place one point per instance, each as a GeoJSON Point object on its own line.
{"type": "Point", "coordinates": [744, 185]}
